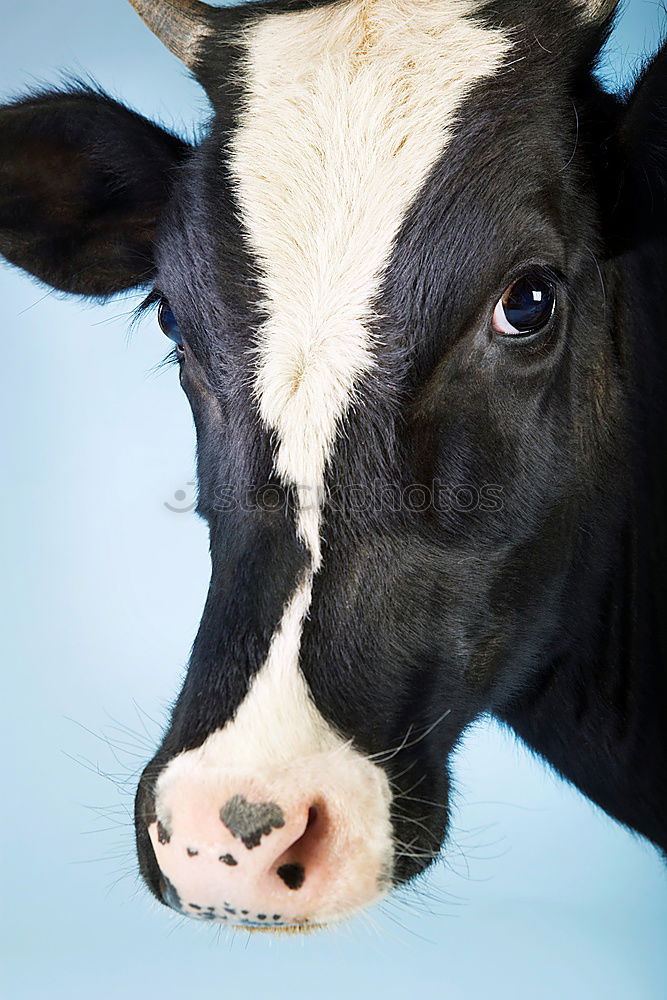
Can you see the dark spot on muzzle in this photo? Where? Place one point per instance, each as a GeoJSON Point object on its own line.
{"type": "Point", "coordinates": [250, 821]}
{"type": "Point", "coordinates": [163, 834]}
{"type": "Point", "coordinates": [170, 894]}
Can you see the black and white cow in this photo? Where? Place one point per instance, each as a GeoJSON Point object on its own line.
{"type": "Point", "coordinates": [415, 276]}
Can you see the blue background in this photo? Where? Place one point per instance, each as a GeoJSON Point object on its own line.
{"type": "Point", "coordinates": [541, 897]}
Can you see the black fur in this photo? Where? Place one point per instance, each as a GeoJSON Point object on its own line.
{"type": "Point", "coordinates": [83, 181]}
{"type": "Point", "coordinates": [545, 604]}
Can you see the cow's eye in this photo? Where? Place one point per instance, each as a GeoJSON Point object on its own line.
{"type": "Point", "coordinates": [169, 323]}
{"type": "Point", "coordinates": [526, 306]}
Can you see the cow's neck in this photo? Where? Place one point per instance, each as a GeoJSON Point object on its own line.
{"type": "Point", "coordinates": [598, 713]}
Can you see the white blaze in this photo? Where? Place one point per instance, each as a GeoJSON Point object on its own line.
{"type": "Point", "coordinates": [348, 107]}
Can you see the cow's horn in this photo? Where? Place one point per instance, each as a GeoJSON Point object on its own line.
{"type": "Point", "coordinates": [181, 25]}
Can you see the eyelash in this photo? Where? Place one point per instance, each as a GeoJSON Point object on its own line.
{"type": "Point", "coordinates": [140, 312]}
{"type": "Point", "coordinates": [173, 358]}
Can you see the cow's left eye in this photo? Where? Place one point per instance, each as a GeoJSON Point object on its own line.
{"type": "Point", "coordinates": [169, 323]}
{"type": "Point", "coordinates": [526, 306]}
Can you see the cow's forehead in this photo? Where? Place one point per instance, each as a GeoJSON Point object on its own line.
{"type": "Point", "coordinates": [346, 108]}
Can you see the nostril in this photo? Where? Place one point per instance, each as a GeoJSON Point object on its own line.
{"type": "Point", "coordinates": [312, 818]}
{"type": "Point", "coordinates": [291, 867]}
{"type": "Point", "coordinates": [293, 875]}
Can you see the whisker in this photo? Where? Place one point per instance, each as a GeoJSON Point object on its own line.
{"type": "Point", "coordinates": [382, 757]}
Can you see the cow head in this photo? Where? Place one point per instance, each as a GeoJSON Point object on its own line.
{"type": "Point", "coordinates": [389, 271]}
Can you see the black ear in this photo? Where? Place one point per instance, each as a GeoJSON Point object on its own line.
{"type": "Point", "coordinates": [83, 181]}
{"type": "Point", "coordinates": [639, 212]}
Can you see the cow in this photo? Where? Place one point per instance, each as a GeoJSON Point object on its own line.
{"type": "Point", "coordinates": [413, 273]}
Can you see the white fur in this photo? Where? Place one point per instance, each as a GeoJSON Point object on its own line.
{"type": "Point", "coordinates": [277, 723]}
{"type": "Point", "coordinates": [348, 108]}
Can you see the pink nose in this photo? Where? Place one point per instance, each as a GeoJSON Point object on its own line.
{"type": "Point", "coordinates": [301, 845]}
{"type": "Point", "coordinates": [245, 862]}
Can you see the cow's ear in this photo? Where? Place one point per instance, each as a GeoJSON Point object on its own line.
{"type": "Point", "coordinates": [83, 181]}
{"type": "Point", "coordinates": [637, 204]}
